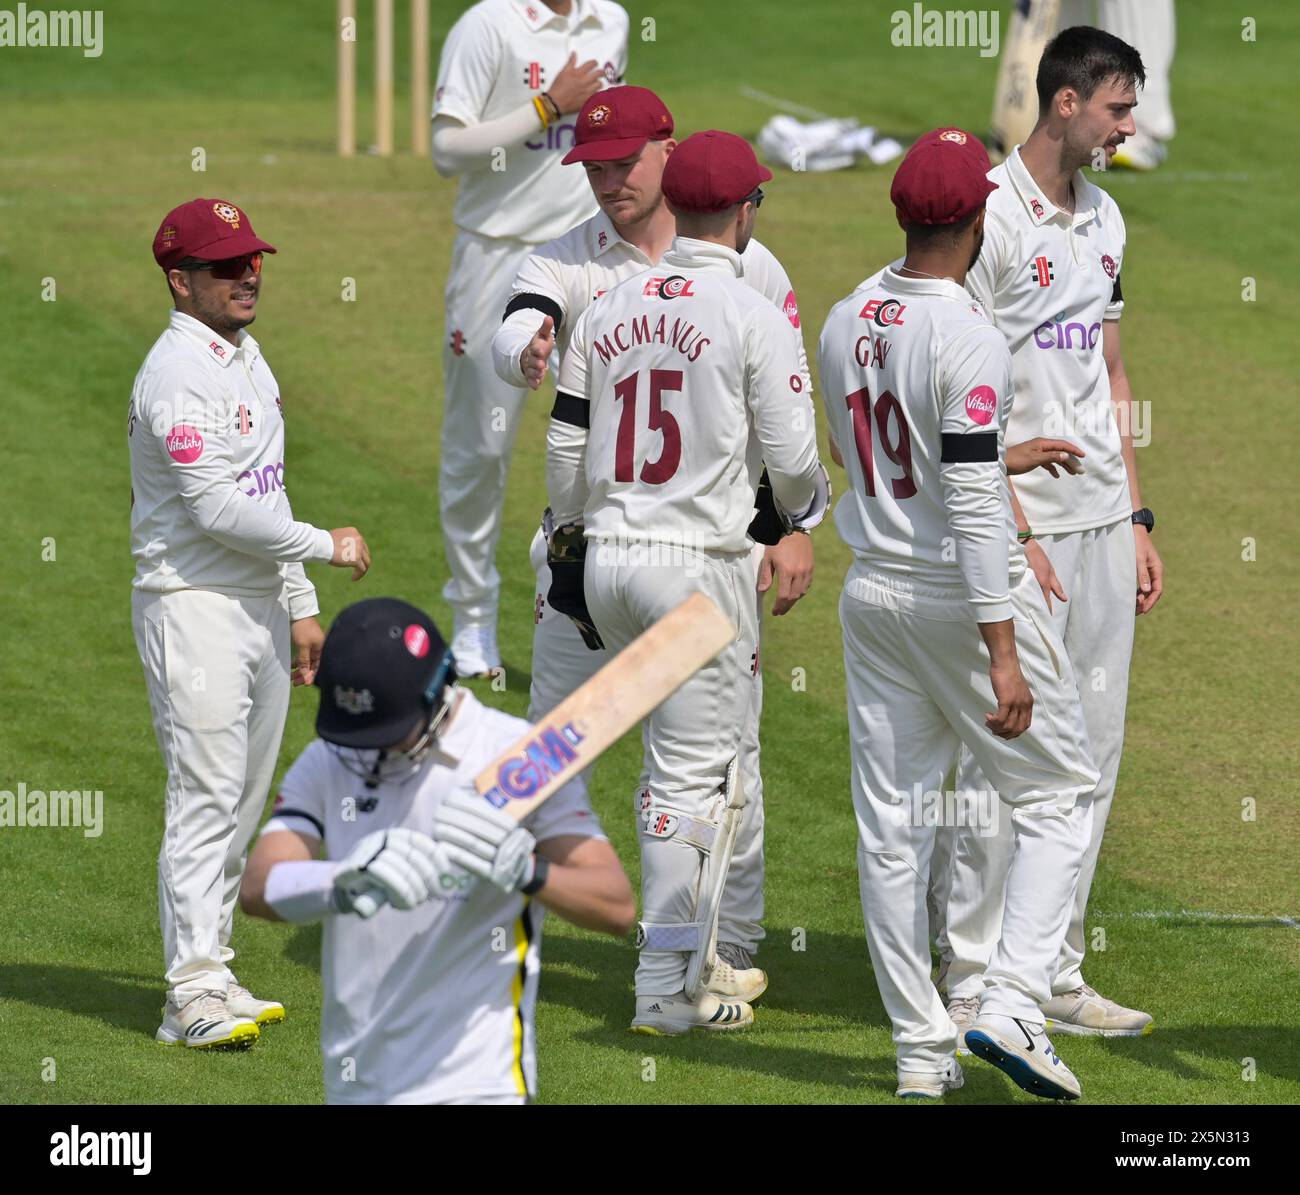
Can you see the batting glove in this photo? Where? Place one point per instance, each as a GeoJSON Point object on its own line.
{"type": "Point", "coordinates": [399, 866]}
{"type": "Point", "coordinates": [484, 841]}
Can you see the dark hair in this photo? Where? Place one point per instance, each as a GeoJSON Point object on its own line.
{"type": "Point", "coordinates": [1083, 58]}
{"type": "Point", "coordinates": [938, 236]}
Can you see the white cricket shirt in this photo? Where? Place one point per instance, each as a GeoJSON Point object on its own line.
{"type": "Point", "coordinates": [905, 364]}
{"type": "Point", "coordinates": [568, 274]}
{"type": "Point", "coordinates": [497, 57]}
{"type": "Point", "coordinates": [433, 1003]}
{"type": "Point", "coordinates": [692, 382]}
{"type": "Point", "coordinates": [1048, 280]}
{"type": "Point", "coordinates": [209, 509]}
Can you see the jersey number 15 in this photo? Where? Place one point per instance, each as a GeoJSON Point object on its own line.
{"type": "Point", "coordinates": [654, 472]}
{"type": "Point", "coordinates": [898, 448]}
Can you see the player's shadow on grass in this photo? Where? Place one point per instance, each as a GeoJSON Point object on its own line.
{"type": "Point", "coordinates": [122, 1000]}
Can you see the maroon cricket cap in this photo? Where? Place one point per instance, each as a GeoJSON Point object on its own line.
{"type": "Point", "coordinates": [616, 122]}
{"type": "Point", "coordinates": [205, 229]}
{"type": "Point", "coordinates": [712, 171]}
{"type": "Point", "coordinates": [942, 179]}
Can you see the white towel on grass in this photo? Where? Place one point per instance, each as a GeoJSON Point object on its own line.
{"type": "Point", "coordinates": [824, 144]}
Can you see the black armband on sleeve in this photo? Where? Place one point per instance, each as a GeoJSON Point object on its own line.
{"type": "Point", "coordinates": [535, 302]}
{"type": "Point", "coordinates": [976, 448]}
{"type": "Point", "coordinates": [1116, 293]}
{"type": "Point", "coordinates": [307, 817]}
{"type": "Point", "coordinates": [569, 408]}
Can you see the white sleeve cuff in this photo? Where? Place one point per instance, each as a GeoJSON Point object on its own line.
{"type": "Point", "coordinates": [302, 890]}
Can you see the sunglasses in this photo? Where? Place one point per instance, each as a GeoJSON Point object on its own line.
{"type": "Point", "coordinates": [755, 197]}
{"type": "Point", "coordinates": [229, 269]}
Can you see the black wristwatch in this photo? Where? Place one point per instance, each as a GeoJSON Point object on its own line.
{"type": "Point", "coordinates": [1145, 518]}
{"type": "Point", "coordinates": [541, 868]}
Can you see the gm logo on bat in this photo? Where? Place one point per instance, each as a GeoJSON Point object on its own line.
{"type": "Point", "coordinates": [543, 757]}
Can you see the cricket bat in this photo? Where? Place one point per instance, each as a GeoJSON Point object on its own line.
{"type": "Point", "coordinates": [574, 734]}
{"type": "Point", "coordinates": [1015, 99]}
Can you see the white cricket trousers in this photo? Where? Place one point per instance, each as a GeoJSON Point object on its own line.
{"type": "Point", "coordinates": [1098, 571]}
{"type": "Point", "coordinates": [562, 662]}
{"type": "Point", "coordinates": [217, 670]}
{"type": "Point", "coordinates": [479, 420]}
{"type": "Point", "coordinates": [918, 687]}
{"type": "Point", "coordinates": [693, 736]}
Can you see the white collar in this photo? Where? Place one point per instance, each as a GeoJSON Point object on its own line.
{"type": "Point", "coordinates": [1040, 208]}
{"type": "Point", "coordinates": [703, 255]}
{"type": "Point", "coordinates": [537, 15]}
{"type": "Point", "coordinates": [218, 348]}
{"type": "Point", "coordinates": [902, 284]}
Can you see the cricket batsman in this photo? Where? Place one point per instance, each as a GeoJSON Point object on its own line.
{"type": "Point", "coordinates": [947, 638]}
{"type": "Point", "coordinates": [431, 999]}
{"type": "Point", "coordinates": [678, 384]}
{"type": "Point", "coordinates": [1049, 278]}
{"type": "Point", "coordinates": [623, 141]}
{"type": "Point", "coordinates": [512, 74]}
{"type": "Point", "coordinates": [222, 610]}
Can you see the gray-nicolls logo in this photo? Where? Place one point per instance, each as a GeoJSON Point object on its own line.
{"type": "Point", "coordinates": [88, 1147]}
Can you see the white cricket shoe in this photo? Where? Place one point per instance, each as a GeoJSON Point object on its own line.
{"type": "Point", "coordinates": [205, 1023]}
{"type": "Point", "coordinates": [1023, 1052]}
{"type": "Point", "coordinates": [928, 1085]}
{"type": "Point", "coordinates": [242, 1003]}
{"type": "Point", "coordinates": [1086, 1013]}
{"type": "Point", "coordinates": [962, 1012]}
{"type": "Point", "coordinates": [734, 975]}
{"type": "Point", "coordinates": [673, 1015]}
{"type": "Point", "coordinates": [475, 648]}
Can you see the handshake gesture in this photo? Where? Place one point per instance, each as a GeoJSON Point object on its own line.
{"type": "Point", "coordinates": [405, 868]}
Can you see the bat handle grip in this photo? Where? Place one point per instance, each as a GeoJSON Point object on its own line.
{"type": "Point", "coordinates": [369, 902]}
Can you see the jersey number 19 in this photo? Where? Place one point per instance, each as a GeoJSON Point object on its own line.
{"type": "Point", "coordinates": [897, 448]}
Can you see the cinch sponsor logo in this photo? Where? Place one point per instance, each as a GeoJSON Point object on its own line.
{"type": "Point", "coordinates": [558, 136]}
{"type": "Point", "coordinates": [883, 312]}
{"type": "Point", "coordinates": [982, 404]}
{"type": "Point", "coordinates": [262, 481]}
{"type": "Point", "coordinates": [545, 756]}
{"type": "Point", "coordinates": [1066, 336]}
{"type": "Point", "coordinates": [184, 444]}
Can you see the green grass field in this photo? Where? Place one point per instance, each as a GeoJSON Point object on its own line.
{"type": "Point", "coordinates": [1193, 898]}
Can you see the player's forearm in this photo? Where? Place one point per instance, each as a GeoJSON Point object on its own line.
{"type": "Point", "coordinates": [238, 522]}
{"type": "Point", "coordinates": [566, 472]}
{"type": "Point", "coordinates": [508, 343]}
{"type": "Point", "coordinates": [596, 897]}
{"type": "Point", "coordinates": [1121, 398]}
{"type": "Point", "coordinates": [1000, 639]}
{"type": "Point", "coordinates": [300, 592]}
{"type": "Point", "coordinates": [458, 148]}
{"type": "Point", "coordinates": [973, 497]}
{"type": "Point", "coordinates": [1022, 519]}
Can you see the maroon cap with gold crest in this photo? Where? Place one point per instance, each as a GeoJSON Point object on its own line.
{"type": "Point", "coordinates": [616, 122]}
{"type": "Point", "coordinates": [712, 171]}
{"type": "Point", "coordinates": [942, 179]}
{"type": "Point", "coordinates": [207, 230]}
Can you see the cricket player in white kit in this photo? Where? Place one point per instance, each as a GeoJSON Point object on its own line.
{"type": "Point", "coordinates": [677, 385]}
{"type": "Point", "coordinates": [511, 72]}
{"type": "Point", "coordinates": [947, 639]}
{"type": "Point", "coordinates": [623, 139]}
{"type": "Point", "coordinates": [1049, 278]}
{"type": "Point", "coordinates": [220, 603]}
{"type": "Point", "coordinates": [429, 1000]}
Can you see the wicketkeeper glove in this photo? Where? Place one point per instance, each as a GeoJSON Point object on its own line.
{"type": "Point", "coordinates": [484, 841]}
{"type": "Point", "coordinates": [770, 523]}
{"type": "Point", "coordinates": [566, 556]}
{"type": "Point", "coordinates": [403, 864]}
